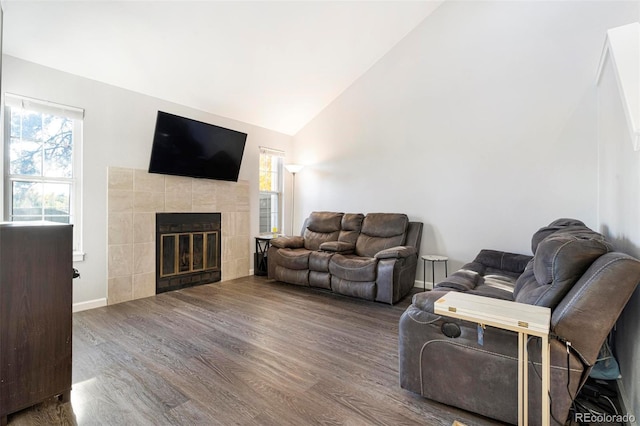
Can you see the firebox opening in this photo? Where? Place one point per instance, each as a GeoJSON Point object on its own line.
{"type": "Point", "coordinates": [187, 250]}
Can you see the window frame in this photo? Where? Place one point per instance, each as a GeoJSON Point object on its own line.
{"type": "Point", "coordinates": [279, 192]}
{"type": "Point", "coordinates": [12, 101]}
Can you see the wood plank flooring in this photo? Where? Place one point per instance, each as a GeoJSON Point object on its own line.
{"type": "Point", "coordinates": [241, 352]}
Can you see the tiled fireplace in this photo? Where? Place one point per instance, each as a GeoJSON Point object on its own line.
{"type": "Point", "coordinates": [134, 199]}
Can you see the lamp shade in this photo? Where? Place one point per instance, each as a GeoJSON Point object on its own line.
{"type": "Point", "coordinates": [293, 168]}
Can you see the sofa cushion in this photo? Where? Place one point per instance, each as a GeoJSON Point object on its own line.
{"type": "Point", "coordinates": [397, 252]}
{"type": "Point", "coordinates": [491, 274]}
{"type": "Point", "coordinates": [321, 227]}
{"type": "Point", "coordinates": [553, 227]}
{"type": "Point", "coordinates": [351, 227]}
{"type": "Point", "coordinates": [338, 247]}
{"type": "Point", "coordinates": [320, 279]}
{"type": "Point", "coordinates": [560, 260]}
{"type": "Point", "coordinates": [464, 279]}
{"type": "Point", "coordinates": [503, 261]}
{"type": "Point", "coordinates": [361, 289]}
{"type": "Point", "coordinates": [292, 276]}
{"type": "Point", "coordinates": [296, 259]}
{"type": "Point", "coordinates": [381, 231]}
{"type": "Point", "coordinates": [353, 268]}
{"type": "Point", "coordinates": [319, 261]}
{"type": "Point", "coordinates": [288, 242]}
{"type": "Point", "coordinates": [482, 280]}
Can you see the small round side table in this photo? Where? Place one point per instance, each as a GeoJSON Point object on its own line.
{"type": "Point", "coordinates": [433, 258]}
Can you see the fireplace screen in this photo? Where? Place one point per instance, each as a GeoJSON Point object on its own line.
{"type": "Point", "coordinates": [188, 250]}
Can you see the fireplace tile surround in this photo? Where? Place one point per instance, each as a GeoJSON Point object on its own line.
{"type": "Point", "coordinates": [135, 196]}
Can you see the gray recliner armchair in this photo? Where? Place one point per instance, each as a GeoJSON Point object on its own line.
{"type": "Point", "coordinates": [574, 272]}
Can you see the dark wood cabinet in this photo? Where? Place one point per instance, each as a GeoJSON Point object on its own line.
{"type": "Point", "coordinates": [36, 273]}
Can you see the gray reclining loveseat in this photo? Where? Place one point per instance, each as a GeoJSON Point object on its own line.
{"type": "Point", "coordinates": [574, 272]}
{"type": "Point", "coordinates": [373, 257]}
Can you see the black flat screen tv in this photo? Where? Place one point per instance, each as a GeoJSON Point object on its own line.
{"type": "Point", "coordinates": [186, 147]}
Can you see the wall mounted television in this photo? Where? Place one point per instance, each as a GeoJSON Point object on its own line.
{"type": "Point", "coordinates": [186, 147]}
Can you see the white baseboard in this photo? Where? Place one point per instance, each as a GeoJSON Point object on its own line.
{"type": "Point", "coordinates": [90, 304]}
{"type": "Point", "coordinates": [420, 284]}
{"type": "Point", "coordinates": [251, 271]}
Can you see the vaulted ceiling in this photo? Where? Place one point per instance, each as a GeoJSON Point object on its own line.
{"type": "Point", "coordinates": [275, 64]}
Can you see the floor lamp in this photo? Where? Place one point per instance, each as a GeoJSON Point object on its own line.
{"type": "Point", "coordinates": [293, 169]}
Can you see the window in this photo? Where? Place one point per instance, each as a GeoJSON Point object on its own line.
{"type": "Point", "coordinates": [271, 162]}
{"type": "Point", "coordinates": [43, 162]}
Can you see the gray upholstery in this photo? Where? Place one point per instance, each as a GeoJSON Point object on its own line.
{"type": "Point", "coordinates": [492, 273]}
{"type": "Point", "coordinates": [353, 268]}
{"type": "Point", "coordinates": [296, 259]}
{"type": "Point", "coordinates": [321, 227]}
{"type": "Point", "coordinates": [560, 260]}
{"type": "Point", "coordinates": [573, 271]}
{"type": "Point", "coordinates": [381, 231]}
{"type": "Point", "coordinates": [556, 225]}
{"type": "Point", "coordinates": [372, 257]}
{"type": "Point", "coordinates": [350, 228]}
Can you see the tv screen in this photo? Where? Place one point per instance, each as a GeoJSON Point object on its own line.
{"type": "Point", "coordinates": [186, 147]}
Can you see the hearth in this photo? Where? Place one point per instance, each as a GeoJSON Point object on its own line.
{"type": "Point", "coordinates": [187, 250]}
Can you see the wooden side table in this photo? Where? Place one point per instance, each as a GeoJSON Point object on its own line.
{"type": "Point", "coordinates": [526, 320]}
{"type": "Point", "coordinates": [433, 258]}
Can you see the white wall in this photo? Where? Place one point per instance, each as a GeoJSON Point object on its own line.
{"type": "Point", "coordinates": [618, 211]}
{"type": "Point", "coordinates": [118, 131]}
{"type": "Point", "coordinates": [481, 123]}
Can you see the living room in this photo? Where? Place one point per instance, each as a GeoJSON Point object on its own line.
{"type": "Point", "coordinates": [482, 123]}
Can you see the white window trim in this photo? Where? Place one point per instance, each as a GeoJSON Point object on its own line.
{"type": "Point", "coordinates": [77, 114]}
{"type": "Point", "coordinates": [280, 193]}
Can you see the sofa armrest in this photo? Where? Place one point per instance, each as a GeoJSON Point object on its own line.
{"type": "Point", "coordinates": [338, 247]}
{"type": "Point", "coordinates": [504, 261]}
{"type": "Point", "coordinates": [288, 242]}
{"type": "Point", "coordinates": [396, 252]}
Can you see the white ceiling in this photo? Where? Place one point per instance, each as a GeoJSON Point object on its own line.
{"type": "Point", "coordinates": [274, 64]}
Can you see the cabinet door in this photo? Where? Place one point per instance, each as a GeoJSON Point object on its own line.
{"type": "Point", "coordinates": [35, 317]}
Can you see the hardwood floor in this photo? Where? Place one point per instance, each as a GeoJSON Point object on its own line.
{"type": "Point", "coordinates": [241, 352]}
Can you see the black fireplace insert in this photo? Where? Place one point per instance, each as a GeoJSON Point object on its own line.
{"type": "Point", "coordinates": [187, 250]}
